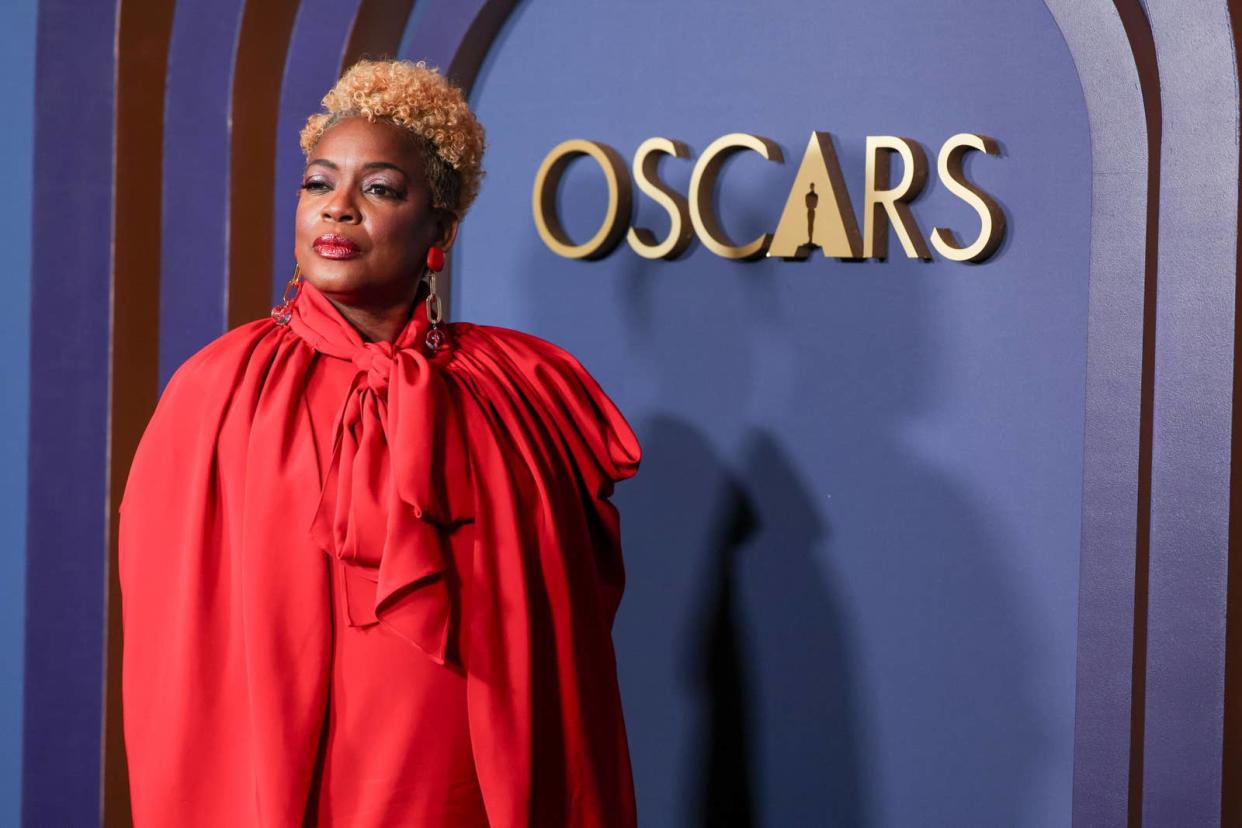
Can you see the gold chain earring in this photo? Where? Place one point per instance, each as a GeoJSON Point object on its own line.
{"type": "Point", "coordinates": [436, 335]}
{"type": "Point", "coordinates": [283, 312]}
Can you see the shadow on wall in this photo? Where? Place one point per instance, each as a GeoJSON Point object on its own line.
{"type": "Point", "coordinates": [736, 612]}
{"type": "Point", "coordinates": [760, 516]}
{"type": "Point", "coordinates": [716, 660]}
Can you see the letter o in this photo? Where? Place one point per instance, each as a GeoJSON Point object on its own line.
{"type": "Point", "coordinates": [547, 184]}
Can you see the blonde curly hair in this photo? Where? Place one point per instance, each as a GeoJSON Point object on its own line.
{"type": "Point", "coordinates": [417, 98]}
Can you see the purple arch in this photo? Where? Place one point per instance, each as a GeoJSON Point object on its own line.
{"type": "Point", "coordinates": [70, 323]}
{"type": "Point", "coordinates": [194, 241]}
{"type": "Point", "coordinates": [1116, 111]}
{"type": "Point", "coordinates": [1192, 411]}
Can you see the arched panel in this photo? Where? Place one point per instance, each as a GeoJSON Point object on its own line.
{"type": "Point", "coordinates": [1192, 413]}
{"type": "Point", "coordinates": [67, 525]}
{"type": "Point", "coordinates": [853, 549]}
{"type": "Point", "coordinates": [1123, 184]}
{"type": "Point", "coordinates": [194, 230]}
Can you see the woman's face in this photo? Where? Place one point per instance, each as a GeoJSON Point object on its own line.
{"type": "Point", "coordinates": [365, 217]}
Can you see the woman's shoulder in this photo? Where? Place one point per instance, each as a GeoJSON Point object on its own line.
{"type": "Point", "coordinates": [194, 399]}
{"type": "Point", "coordinates": [556, 388]}
{"type": "Point", "coordinates": [535, 349]}
{"type": "Point", "coordinates": [547, 366]}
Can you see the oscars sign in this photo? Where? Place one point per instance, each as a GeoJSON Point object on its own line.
{"type": "Point", "coordinates": [818, 211]}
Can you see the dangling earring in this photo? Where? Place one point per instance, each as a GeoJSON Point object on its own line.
{"type": "Point", "coordinates": [436, 335]}
{"type": "Point", "coordinates": [283, 312]}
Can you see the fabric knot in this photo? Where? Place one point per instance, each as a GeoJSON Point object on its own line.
{"type": "Point", "coordinates": [385, 506]}
{"type": "Point", "coordinates": [375, 360]}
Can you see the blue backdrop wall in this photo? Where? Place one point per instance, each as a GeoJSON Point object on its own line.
{"type": "Point", "coordinates": [853, 543]}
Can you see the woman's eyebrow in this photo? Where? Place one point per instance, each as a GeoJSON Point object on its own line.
{"type": "Point", "coordinates": [370, 165]}
{"type": "Point", "coordinates": [382, 165]}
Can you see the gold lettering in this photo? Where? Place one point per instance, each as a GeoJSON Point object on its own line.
{"type": "Point", "coordinates": [680, 232]}
{"type": "Point", "coordinates": [991, 217]}
{"type": "Point", "coordinates": [882, 203]}
{"type": "Point", "coordinates": [703, 192]}
{"type": "Point", "coordinates": [817, 212]}
{"type": "Point", "coordinates": [547, 183]}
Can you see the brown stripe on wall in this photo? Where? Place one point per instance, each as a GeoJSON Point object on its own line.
{"type": "Point", "coordinates": [463, 69]}
{"type": "Point", "coordinates": [1142, 45]}
{"type": "Point", "coordinates": [1231, 754]}
{"type": "Point", "coordinates": [478, 41]}
{"type": "Point", "coordinates": [258, 69]}
{"type": "Point", "coordinates": [143, 31]}
{"type": "Point", "coordinates": [377, 30]}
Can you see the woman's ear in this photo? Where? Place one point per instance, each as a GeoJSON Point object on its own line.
{"type": "Point", "coordinates": [448, 229]}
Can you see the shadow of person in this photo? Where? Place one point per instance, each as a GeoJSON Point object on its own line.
{"type": "Point", "coordinates": [805, 661]}
{"type": "Point", "coordinates": [719, 668]}
{"type": "Point", "coordinates": [714, 532]}
{"type": "Point", "coordinates": [681, 664]}
{"type": "Point", "coordinates": [772, 611]}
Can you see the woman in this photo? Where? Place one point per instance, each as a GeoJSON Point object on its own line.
{"type": "Point", "coordinates": [368, 563]}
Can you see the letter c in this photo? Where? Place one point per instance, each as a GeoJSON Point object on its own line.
{"type": "Point", "coordinates": [703, 191]}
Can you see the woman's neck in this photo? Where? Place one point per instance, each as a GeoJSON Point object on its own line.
{"type": "Point", "coordinates": [376, 324]}
{"type": "Point", "coordinates": [381, 322]}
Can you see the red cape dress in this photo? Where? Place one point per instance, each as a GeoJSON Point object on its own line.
{"type": "Point", "coordinates": [459, 502]}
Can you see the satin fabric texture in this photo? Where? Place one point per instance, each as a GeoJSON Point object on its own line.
{"type": "Point", "coordinates": [465, 506]}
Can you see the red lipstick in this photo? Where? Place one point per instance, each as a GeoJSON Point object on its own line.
{"type": "Point", "coordinates": [335, 246]}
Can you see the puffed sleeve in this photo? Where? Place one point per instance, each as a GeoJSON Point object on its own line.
{"type": "Point", "coordinates": [546, 448]}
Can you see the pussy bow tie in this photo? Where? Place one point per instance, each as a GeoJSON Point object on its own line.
{"type": "Point", "coordinates": [385, 499]}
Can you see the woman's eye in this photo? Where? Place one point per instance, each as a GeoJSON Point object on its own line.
{"type": "Point", "coordinates": [381, 189]}
{"type": "Point", "coordinates": [314, 186]}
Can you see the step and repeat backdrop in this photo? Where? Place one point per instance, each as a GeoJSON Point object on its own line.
{"type": "Point", "coordinates": [923, 313]}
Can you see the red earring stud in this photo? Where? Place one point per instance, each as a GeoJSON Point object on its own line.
{"type": "Point", "coordinates": [435, 259]}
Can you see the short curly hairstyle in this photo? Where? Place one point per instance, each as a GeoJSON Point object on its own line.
{"type": "Point", "coordinates": [417, 98]}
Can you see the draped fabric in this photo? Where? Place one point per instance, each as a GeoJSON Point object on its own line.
{"type": "Point", "coordinates": [466, 501]}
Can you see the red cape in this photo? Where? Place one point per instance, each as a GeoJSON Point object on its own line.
{"type": "Point", "coordinates": [227, 515]}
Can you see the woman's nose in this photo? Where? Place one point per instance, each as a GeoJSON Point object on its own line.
{"type": "Point", "coordinates": [341, 208]}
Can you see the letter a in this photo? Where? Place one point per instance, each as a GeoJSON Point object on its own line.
{"type": "Point", "coordinates": [817, 212]}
